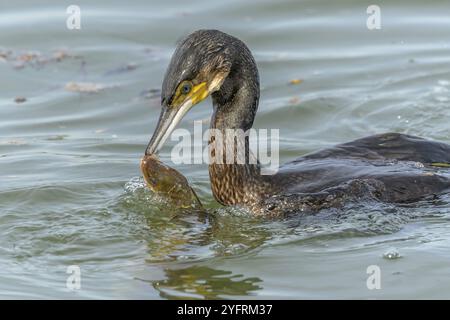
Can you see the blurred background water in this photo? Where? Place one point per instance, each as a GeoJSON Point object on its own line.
{"type": "Point", "coordinates": [70, 186]}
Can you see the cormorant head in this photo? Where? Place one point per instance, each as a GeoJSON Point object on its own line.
{"type": "Point", "coordinates": [199, 66]}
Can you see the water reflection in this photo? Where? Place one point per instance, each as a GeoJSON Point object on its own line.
{"type": "Point", "coordinates": [201, 282]}
{"type": "Point", "coordinates": [195, 236]}
{"type": "Point", "coordinates": [174, 234]}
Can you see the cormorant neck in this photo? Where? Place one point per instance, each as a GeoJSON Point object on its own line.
{"type": "Point", "coordinates": [236, 103]}
{"type": "Point", "coordinates": [235, 106]}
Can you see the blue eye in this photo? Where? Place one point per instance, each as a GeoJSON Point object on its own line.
{"type": "Point", "coordinates": [186, 88]}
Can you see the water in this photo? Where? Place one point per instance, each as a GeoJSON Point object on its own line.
{"type": "Point", "coordinates": [70, 192]}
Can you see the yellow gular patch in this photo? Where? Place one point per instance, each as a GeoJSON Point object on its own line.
{"type": "Point", "coordinates": [197, 94]}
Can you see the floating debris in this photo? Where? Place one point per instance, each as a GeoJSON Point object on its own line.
{"type": "Point", "coordinates": [59, 56]}
{"type": "Point", "coordinates": [295, 81]}
{"type": "Point", "coordinates": [84, 87]}
{"type": "Point", "coordinates": [57, 137]}
{"type": "Point", "coordinates": [28, 56]}
{"type": "Point", "coordinates": [5, 54]}
{"type": "Point", "coordinates": [33, 58]}
{"type": "Point", "coordinates": [20, 99]}
{"type": "Point", "coordinates": [123, 69]}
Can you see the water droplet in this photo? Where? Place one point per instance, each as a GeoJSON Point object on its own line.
{"type": "Point", "coordinates": [419, 165]}
{"type": "Point", "coordinates": [391, 254]}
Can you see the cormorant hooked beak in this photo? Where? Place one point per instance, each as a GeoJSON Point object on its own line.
{"type": "Point", "coordinates": [186, 96]}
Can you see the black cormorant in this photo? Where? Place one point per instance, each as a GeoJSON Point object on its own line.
{"type": "Point", "coordinates": [387, 167]}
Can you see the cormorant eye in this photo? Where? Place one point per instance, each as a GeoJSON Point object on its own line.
{"type": "Point", "coordinates": [186, 88]}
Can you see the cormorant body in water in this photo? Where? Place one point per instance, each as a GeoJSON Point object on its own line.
{"type": "Point", "coordinates": [388, 167]}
